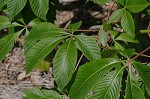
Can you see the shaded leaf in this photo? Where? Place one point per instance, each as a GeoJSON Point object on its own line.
{"type": "Point", "coordinates": [74, 27]}
{"type": "Point", "coordinates": [109, 87]}
{"type": "Point", "coordinates": [88, 46]}
{"type": "Point", "coordinates": [127, 23]}
{"type": "Point", "coordinates": [119, 46]}
{"type": "Point", "coordinates": [64, 63]}
{"type": "Point", "coordinates": [133, 90]}
{"type": "Point", "coordinates": [7, 43]}
{"type": "Point", "coordinates": [144, 72]}
{"type": "Point", "coordinates": [109, 53]}
{"type": "Point", "coordinates": [36, 93]}
{"type": "Point", "coordinates": [136, 6]}
{"type": "Point", "coordinates": [40, 8]}
{"type": "Point", "coordinates": [102, 36]}
{"type": "Point", "coordinates": [15, 6]}
{"type": "Point", "coordinates": [40, 50]}
{"type": "Point", "coordinates": [88, 75]}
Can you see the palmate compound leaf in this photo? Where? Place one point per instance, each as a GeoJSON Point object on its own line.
{"type": "Point", "coordinates": [40, 50]}
{"type": "Point", "coordinates": [109, 87]}
{"type": "Point", "coordinates": [136, 6]}
{"type": "Point", "coordinates": [44, 30]}
{"type": "Point", "coordinates": [133, 90]}
{"type": "Point", "coordinates": [15, 6]}
{"type": "Point", "coordinates": [88, 46]}
{"type": "Point", "coordinates": [7, 43]}
{"type": "Point", "coordinates": [64, 63]}
{"type": "Point", "coordinates": [36, 93]}
{"type": "Point", "coordinates": [88, 75]}
{"type": "Point", "coordinates": [127, 23]}
{"type": "Point", "coordinates": [144, 72]}
{"type": "Point", "coordinates": [40, 8]}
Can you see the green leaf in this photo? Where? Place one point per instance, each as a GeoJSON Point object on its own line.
{"type": "Point", "coordinates": [40, 8]}
{"type": "Point", "coordinates": [133, 90]}
{"type": "Point", "coordinates": [101, 1]}
{"type": "Point", "coordinates": [88, 46]}
{"type": "Point", "coordinates": [64, 63]}
{"type": "Point", "coordinates": [74, 27]}
{"type": "Point", "coordinates": [113, 34]}
{"type": "Point", "coordinates": [36, 93]}
{"type": "Point", "coordinates": [102, 36]}
{"type": "Point", "coordinates": [126, 38]}
{"type": "Point", "coordinates": [109, 53]}
{"type": "Point", "coordinates": [1, 4]}
{"type": "Point", "coordinates": [27, 45]}
{"type": "Point", "coordinates": [44, 30]}
{"type": "Point", "coordinates": [136, 6]}
{"type": "Point", "coordinates": [88, 75]}
{"type": "Point", "coordinates": [144, 72]}
{"type": "Point", "coordinates": [119, 46]}
{"type": "Point", "coordinates": [4, 22]}
{"type": "Point", "coordinates": [7, 43]}
{"type": "Point", "coordinates": [43, 65]}
{"type": "Point", "coordinates": [40, 50]}
{"type": "Point", "coordinates": [127, 23]}
{"type": "Point", "coordinates": [121, 2]}
{"type": "Point", "coordinates": [34, 22]}
{"type": "Point", "coordinates": [115, 15]}
{"type": "Point", "coordinates": [109, 87]}
{"type": "Point", "coordinates": [128, 52]}
{"type": "Point", "coordinates": [15, 6]}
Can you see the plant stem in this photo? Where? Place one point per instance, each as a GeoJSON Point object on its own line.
{"type": "Point", "coordinates": [78, 62]}
{"type": "Point", "coordinates": [138, 55]}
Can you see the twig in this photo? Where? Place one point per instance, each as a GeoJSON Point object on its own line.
{"type": "Point", "coordinates": [143, 55]}
{"type": "Point", "coordinates": [138, 55]}
{"type": "Point", "coordinates": [78, 62]}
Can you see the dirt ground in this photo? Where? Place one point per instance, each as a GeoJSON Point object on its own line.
{"type": "Point", "coordinates": [12, 68]}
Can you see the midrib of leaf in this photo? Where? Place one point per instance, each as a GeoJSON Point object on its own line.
{"type": "Point", "coordinates": [46, 48]}
{"type": "Point", "coordinates": [94, 74]}
{"type": "Point", "coordinates": [141, 75]}
{"type": "Point", "coordinates": [9, 42]}
{"type": "Point", "coordinates": [113, 80]}
{"type": "Point", "coordinates": [66, 55]}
